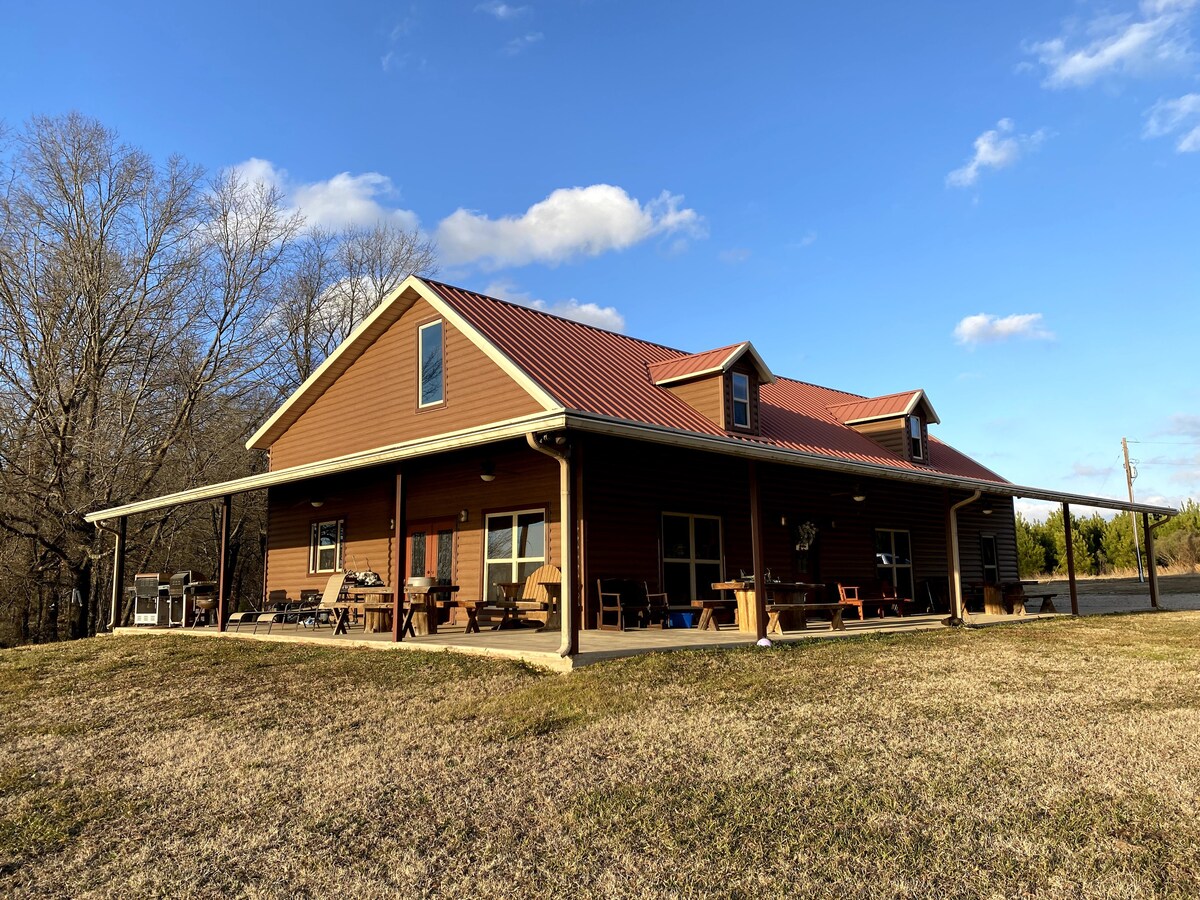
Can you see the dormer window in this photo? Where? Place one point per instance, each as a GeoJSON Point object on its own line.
{"type": "Point", "coordinates": [431, 382]}
{"type": "Point", "coordinates": [741, 400]}
{"type": "Point", "coordinates": [915, 443]}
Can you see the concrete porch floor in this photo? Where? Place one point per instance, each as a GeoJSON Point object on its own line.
{"type": "Point", "coordinates": [540, 648]}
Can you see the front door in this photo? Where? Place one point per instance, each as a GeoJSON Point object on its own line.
{"type": "Point", "coordinates": [430, 550]}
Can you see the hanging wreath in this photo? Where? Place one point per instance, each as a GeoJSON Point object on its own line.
{"type": "Point", "coordinates": [805, 535]}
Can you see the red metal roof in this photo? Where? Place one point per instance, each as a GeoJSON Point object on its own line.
{"type": "Point", "coordinates": [874, 407]}
{"type": "Point", "coordinates": [590, 370]}
{"type": "Point", "coordinates": [693, 364]}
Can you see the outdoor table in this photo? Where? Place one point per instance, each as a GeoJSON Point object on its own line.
{"type": "Point", "coordinates": [421, 603]}
{"type": "Point", "coordinates": [706, 607]}
{"type": "Point", "coordinates": [553, 615]}
{"type": "Point", "coordinates": [744, 592]}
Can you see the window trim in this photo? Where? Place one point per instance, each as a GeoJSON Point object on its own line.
{"type": "Point", "coordinates": [693, 559]}
{"type": "Point", "coordinates": [983, 566]}
{"type": "Point", "coordinates": [441, 401]}
{"type": "Point", "coordinates": [516, 560]}
{"type": "Point", "coordinates": [893, 566]}
{"type": "Point", "coordinates": [314, 548]}
{"type": "Point", "coordinates": [916, 438]}
{"type": "Point", "coordinates": [734, 401]}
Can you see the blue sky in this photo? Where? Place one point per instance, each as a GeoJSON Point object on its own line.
{"type": "Point", "coordinates": [996, 202]}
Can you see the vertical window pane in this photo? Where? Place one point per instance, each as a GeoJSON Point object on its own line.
{"type": "Point", "coordinates": [525, 569]}
{"type": "Point", "coordinates": [903, 554]}
{"type": "Point", "coordinates": [531, 537]}
{"type": "Point", "coordinates": [706, 575]}
{"type": "Point", "coordinates": [499, 537]}
{"type": "Point", "coordinates": [417, 563]}
{"type": "Point", "coordinates": [677, 541]}
{"type": "Point", "coordinates": [431, 363]}
{"type": "Point", "coordinates": [496, 573]}
{"type": "Point", "coordinates": [445, 557]}
{"type": "Point", "coordinates": [677, 581]}
{"type": "Point", "coordinates": [904, 583]}
{"type": "Point", "coordinates": [914, 428]}
{"type": "Point", "coordinates": [708, 538]}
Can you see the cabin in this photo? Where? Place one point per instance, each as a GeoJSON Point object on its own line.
{"type": "Point", "coordinates": [472, 441]}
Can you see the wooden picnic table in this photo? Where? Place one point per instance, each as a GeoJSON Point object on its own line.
{"type": "Point", "coordinates": [783, 592]}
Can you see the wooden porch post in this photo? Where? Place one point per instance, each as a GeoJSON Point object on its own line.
{"type": "Point", "coordinates": [578, 592]}
{"type": "Point", "coordinates": [759, 609]}
{"type": "Point", "coordinates": [398, 560]}
{"type": "Point", "coordinates": [223, 567]}
{"type": "Point", "coordinates": [1070, 559]}
{"type": "Point", "coordinates": [1151, 566]}
{"type": "Point", "coordinates": [118, 588]}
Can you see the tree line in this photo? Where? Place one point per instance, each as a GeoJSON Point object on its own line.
{"type": "Point", "coordinates": [152, 314]}
{"type": "Point", "coordinates": [1105, 546]}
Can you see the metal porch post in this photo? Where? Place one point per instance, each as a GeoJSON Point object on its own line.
{"type": "Point", "coordinates": [223, 567]}
{"type": "Point", "coordinates": [1151, 565]}
{"type": "Point", "coordinates": [1070, 559]}
{"type": "Point", "coordinates": [756, 552]}
{"type": "Point", "coordinates": [398, 560]}
{"type": "Point", "coordinates": [118, 587]}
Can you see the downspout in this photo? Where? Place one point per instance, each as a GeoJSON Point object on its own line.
{"type": "Point", "coordinates": [958, 608]}
{"type": "Point", "coordinates": [566, 605]}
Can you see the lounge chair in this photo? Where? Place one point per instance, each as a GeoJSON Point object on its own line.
{"type": "Point", "coordinates": [276, 601]}
{"type": "Point", "coordinates": [331, 600]}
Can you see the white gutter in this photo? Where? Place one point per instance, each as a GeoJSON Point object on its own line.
{"type": "Point", "coordinates": [566, 605]}
{"type": "Point", "coordinates": [958, 610]}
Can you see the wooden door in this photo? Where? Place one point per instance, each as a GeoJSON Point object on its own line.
{"type": "Point", "coordinates": [429, 547]}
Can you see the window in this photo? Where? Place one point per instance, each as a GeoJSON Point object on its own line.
{"type": "Point", "coordinates": [914, 437]}
{"type": "Point", "coordinates": [987, 552]}
{"type": "Point", "coordinates": [516, 546]}
{"type": "Point", "coordinates": [430, 378]}
{"type": "Point", "coordinates": [893, 560]}
{"type": "Point", "coordinates": [691, 556]}
{"type": "Point", "coordinates": [325, 546]}
{"type": "Point", "coordinates": [741, 400]}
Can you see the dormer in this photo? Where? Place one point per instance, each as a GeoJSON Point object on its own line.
{"type": "Point", "coordinates": [720, 384]}
{"type": "Point", "coordinates": [897, 422]}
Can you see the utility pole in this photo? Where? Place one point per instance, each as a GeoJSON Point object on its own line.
{"type": "Point", "coordinates": [1130, 474]}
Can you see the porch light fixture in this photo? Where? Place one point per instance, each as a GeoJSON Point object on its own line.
{"type": "Point", "coordinates": [487, 472]}
{"type": "Point", "coordinates": [317, 502]}
{"type": "Point", "coordinates": [462, 515]}
{"type": "Point", "coordinates": [987, 507]}
{"type": "Point", "coordinates": [858, 496]}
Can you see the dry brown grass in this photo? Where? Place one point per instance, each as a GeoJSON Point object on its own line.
{"type": "Point", "coordinates": [1052, 759]}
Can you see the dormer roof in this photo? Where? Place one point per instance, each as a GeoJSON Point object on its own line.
{"type": "Point", "coordinates": [710, 362]}
{"type": "Point", "coordinates": [889, 406]}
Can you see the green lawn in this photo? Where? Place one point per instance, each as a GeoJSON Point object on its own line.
{"type": "Point", "coordinates": [1054, 759]}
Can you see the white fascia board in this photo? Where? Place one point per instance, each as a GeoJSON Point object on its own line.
{"type": "Point", "coordinates": [456, 440]}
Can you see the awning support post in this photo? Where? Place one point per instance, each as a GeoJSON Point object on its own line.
{"type": "Point", "coordinates": [223, 567]}
{"type": "Point", "coordinates": [400, 553]}
{"type": "Point", "coordinates": [118, 585]}
{"type": "Point", "coordinates": [758, 558]}
{"type": "Point", "coordinates": [1151, 565]}
{"type": "Point", "coordinates": [1066, 507]}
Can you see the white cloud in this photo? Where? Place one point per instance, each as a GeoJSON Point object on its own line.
{"type": "Point", "coordinates": [986, 328]}
{"type": "Point", "coordinates": [1180, 116]}
{"type": "Point", "coordinates": [1186, 424]}
{"type": "Point", "coordinates": [734, 255]}
{"type": "Point", "coordinates": [994, 149]}
{"type": "Point", "coordinates": [502, 11]}
{"type": "Point", "coordinates": [1155, 38]}
{"type": "Point", "coordinates": [522, 43]}
{"type": "Point", "coordinates": [1034, 510]}
{"type": "Point", "coordinates": [571, 222]}
{"type": "Point", "coordinates": [337, 202]}
{"type": "Point", "coordinates": [606, 317]}
{"type": "Point", "coordinates": [1087, 470]}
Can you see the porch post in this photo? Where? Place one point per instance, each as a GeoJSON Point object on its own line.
{"type": "Point", "coordinates": [223, 567]}
{"type": "Point", "coordinates": [118, 587]}
{"type": "Point", "coordinates": [759, 613]}
{"type": "Point", "coordinates": [1151, 565]}
{"type": "Point", "coordinates": [398, 559]}
{"type": "Point", "coordinates": [1070, 559]}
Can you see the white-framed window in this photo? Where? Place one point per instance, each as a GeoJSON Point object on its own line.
{"type": "Point", "coordinates": [741, 400]}
{"type": "Point", "coordinates": [991, 560]}
{"type": "Point", "coordinates": [515, 546]}
{"type": "Point", "coordinates": [691, 556]}
{"type": "Point", "coordinates": [431, 380]}
{"type": "Point", "coordinates": [893, 560]}
{"type": "Point", "coordinates": [325, 548]}
{"type": "Point", "coordinates": [914, 437]}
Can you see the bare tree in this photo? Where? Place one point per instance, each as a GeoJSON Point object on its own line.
{"type": "Point", "coordinates": [133, 298]}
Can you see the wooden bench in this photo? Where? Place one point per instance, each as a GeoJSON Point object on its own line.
{"type": "Point", "coordinates": [776, 610]}
{"type": "Point", "coordinates": [1018, 601]}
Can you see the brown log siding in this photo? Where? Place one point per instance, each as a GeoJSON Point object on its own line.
{"type": "Point", "coordinates": [374, 403]}
{"type": "Point", "coordinates": [705, 395]}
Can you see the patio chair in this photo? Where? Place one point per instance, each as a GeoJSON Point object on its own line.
{"type": "Point", "coordinates": [276, 600]}
{"type": "Point", "coordinates": [331, 598]}
{"type": "Point", "coordinates": [621, 601]}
